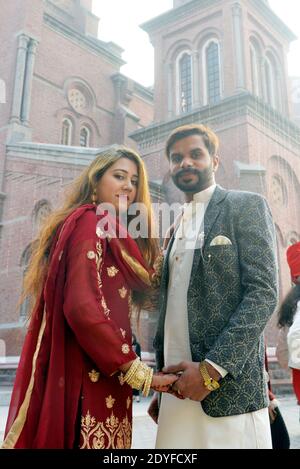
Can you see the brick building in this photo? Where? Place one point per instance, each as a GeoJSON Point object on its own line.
{"type": "Point", "coordinates": [295, 98]}
{"type": "Point", "coordinates": [218, 62]}
{"type": "Point", "coordinates": [65, 97]}
{"type": "Point", "coordinates": [224, 64]}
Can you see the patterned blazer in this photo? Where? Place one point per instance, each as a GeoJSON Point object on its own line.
{"type": "Point", "coordinates": [233, 291]}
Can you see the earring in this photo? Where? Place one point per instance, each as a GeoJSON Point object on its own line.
{"type": "Point", "coordinates": [94, 197]}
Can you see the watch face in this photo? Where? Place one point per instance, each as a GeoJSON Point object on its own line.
{"type": "Point", "coordinates": [215, 385]}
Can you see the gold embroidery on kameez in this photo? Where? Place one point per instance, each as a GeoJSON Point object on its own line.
{"type": "Point", "coordinates": [104, 306]}
{"type": "Point", "coordinates": [110, 402]}
{"type": "Point", "coordinates": [129, 304]}
{"type": "Point", "coordinates": [104, 435]}
{"type": "Point", "coordinates": [94, 376]}
{"type": "Point", "coordinates": [99, 263]}
{"type": "Point", "coordinates": [125, 349]}
{"type": "Point", "coordinates": [112, 271]}
{"type": "Point", "coordinates": [122, 292]}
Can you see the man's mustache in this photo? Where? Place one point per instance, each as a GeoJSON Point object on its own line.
{"type": "Point", "coordinates": [188, 172]}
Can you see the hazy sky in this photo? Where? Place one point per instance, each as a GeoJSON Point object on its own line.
{"type": "Point", "coordinates": [120, 19]}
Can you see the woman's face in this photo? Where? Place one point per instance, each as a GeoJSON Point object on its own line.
{"type": "Point", "coordinates": [118, 186]}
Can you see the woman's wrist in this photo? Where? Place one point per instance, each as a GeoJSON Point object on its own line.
{"type": "Point", "coordinates": [139, 376]}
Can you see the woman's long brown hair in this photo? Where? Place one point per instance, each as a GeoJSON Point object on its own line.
{"type": "Point", "coordinates": [79, 194]}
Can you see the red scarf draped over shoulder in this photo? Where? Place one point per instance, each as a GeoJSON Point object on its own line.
{"type": "Point", "coordinates": [44, 404]}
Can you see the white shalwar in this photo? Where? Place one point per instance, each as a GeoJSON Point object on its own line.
{"type": "Point", "coordinates": [182, 423]}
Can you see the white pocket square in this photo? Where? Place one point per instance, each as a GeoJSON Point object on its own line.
{"type": "Point", "coordinates": [221, 241]}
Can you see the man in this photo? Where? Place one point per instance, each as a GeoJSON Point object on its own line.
{"type": "Point", "coordinates": [216, 297]}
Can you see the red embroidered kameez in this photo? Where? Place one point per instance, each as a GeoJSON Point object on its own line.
{"type": "Point", "coordinates": [68, 390]}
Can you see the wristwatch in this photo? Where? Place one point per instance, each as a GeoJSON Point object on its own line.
{"type": "Point", "coordinates": [210, 383]}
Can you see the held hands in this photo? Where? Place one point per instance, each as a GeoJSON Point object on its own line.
{"type": "Point", "coordinates": [190, 383]}
{"type": "Point", "coordinates": [162, 382]}
{"type": "Point", "coordinates": [184, 381]}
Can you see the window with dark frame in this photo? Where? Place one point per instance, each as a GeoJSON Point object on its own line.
{"type": "Point", "coordinates": [185, 70]}
{"type": "Point", "coordinates": [213, 73]}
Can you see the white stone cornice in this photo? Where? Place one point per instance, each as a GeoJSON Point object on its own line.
{"type": "Point", "coordinates": [273, 20]}
{"type": "Point", "coordinates": [244, 104]}
{"type": "Point", "coordinates": [175, 14]}
{"type": "Point", "coordinates": [67, 155]}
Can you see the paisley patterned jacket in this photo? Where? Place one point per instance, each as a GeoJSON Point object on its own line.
{"type": "Point", "coordinates": [233, 292]}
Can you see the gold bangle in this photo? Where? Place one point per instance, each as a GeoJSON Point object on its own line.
{"type": "Point", "coordinates": [131, 371]}
{"type": "Point", "coordinates": [139, 376]}
{"type": "Point", "coordinates": [136, 375]}
{"type": "Point", "coordinates": [210, 383]}
{"type": "Point", "coordinates": [148, 381]}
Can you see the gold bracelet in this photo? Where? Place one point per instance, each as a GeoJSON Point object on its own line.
{"type": "Point", "coordinates": [136, 375]}
{"type": "Point", "coordinates": [131, 371]}
{"type": "Point", "coordinates": [139, 375]}
{"type": "Point", "coordinates": [210, 383]}
{"type": "Point", "coordinates": [148, 381]}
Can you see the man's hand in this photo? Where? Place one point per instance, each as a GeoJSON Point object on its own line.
{"type": "Point", "coordinates": [190, 384]}
{"type": "Point", "coordinates": [153, 408]}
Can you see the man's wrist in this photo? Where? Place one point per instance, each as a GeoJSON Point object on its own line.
{"type": "Point", "coordinates": [213, 373]}
{"type": "Point", "coordinates": [210, 380]}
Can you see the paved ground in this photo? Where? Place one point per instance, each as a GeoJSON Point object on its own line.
{"type": "Point", "coordinates": [144, 429]}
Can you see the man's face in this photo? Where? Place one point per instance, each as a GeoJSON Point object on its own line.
{"type": "Point", "coordinates": [191, 166]}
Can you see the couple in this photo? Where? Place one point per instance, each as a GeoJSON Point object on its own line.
{"type": "Point", "coordinates": [77, 369]}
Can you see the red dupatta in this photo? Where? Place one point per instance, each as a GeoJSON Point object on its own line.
{"type": "Point", "coordinates": [41, 415]}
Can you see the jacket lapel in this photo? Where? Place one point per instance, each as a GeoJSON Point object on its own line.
{"type": "Point", "coordinates": [213, 211]}
{"type": "Point", "coordinates": [165, 271]}
{"type": "Point", "coordinates": [163, 296]}
{"type": "Point", "coordinates": [210, 217]}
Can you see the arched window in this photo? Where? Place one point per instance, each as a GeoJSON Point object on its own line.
{"type": "Point", "coordinates": [212, 72]}
{"type": "Point", "coordinates": [2, 92]}
{"type": "Point", "coordinates": [255, 81]}
{"type": "Point", "coordinates": [66, 134]}
{"type": "Point", "coordinates": [184, 83]}
{"type": "Point", "coordinates": [41, 211]}
{"type": "Point", "coordinates": [278, 191]}
{"type": "Point", "coordinates": [24, 308]}
{"type": "Point", "coordinates": [270, 83]}
{"type": "Point", "coordinates": [84, 137]}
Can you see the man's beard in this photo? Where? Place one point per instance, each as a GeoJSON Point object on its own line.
{"type": "Point", "coordinates": [205, 177]}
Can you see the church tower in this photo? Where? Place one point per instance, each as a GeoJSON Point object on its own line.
{"type": "Point", "coordinates": [209, 50]}
{"type": "Point", "coordinates": [62, 97]}
{"type": "Point", "coordinates": [223, 63]}
{"type": "Point", "coordinates": [77, 14]}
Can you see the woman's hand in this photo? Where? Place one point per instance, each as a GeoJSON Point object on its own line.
{"type": "Point", "coordinates": [162, 382]}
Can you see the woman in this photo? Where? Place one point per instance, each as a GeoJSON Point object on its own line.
{"type": "Point", "coordinates": [77, 368]}
{"type": "Point", "coordinates": [288, 348]}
